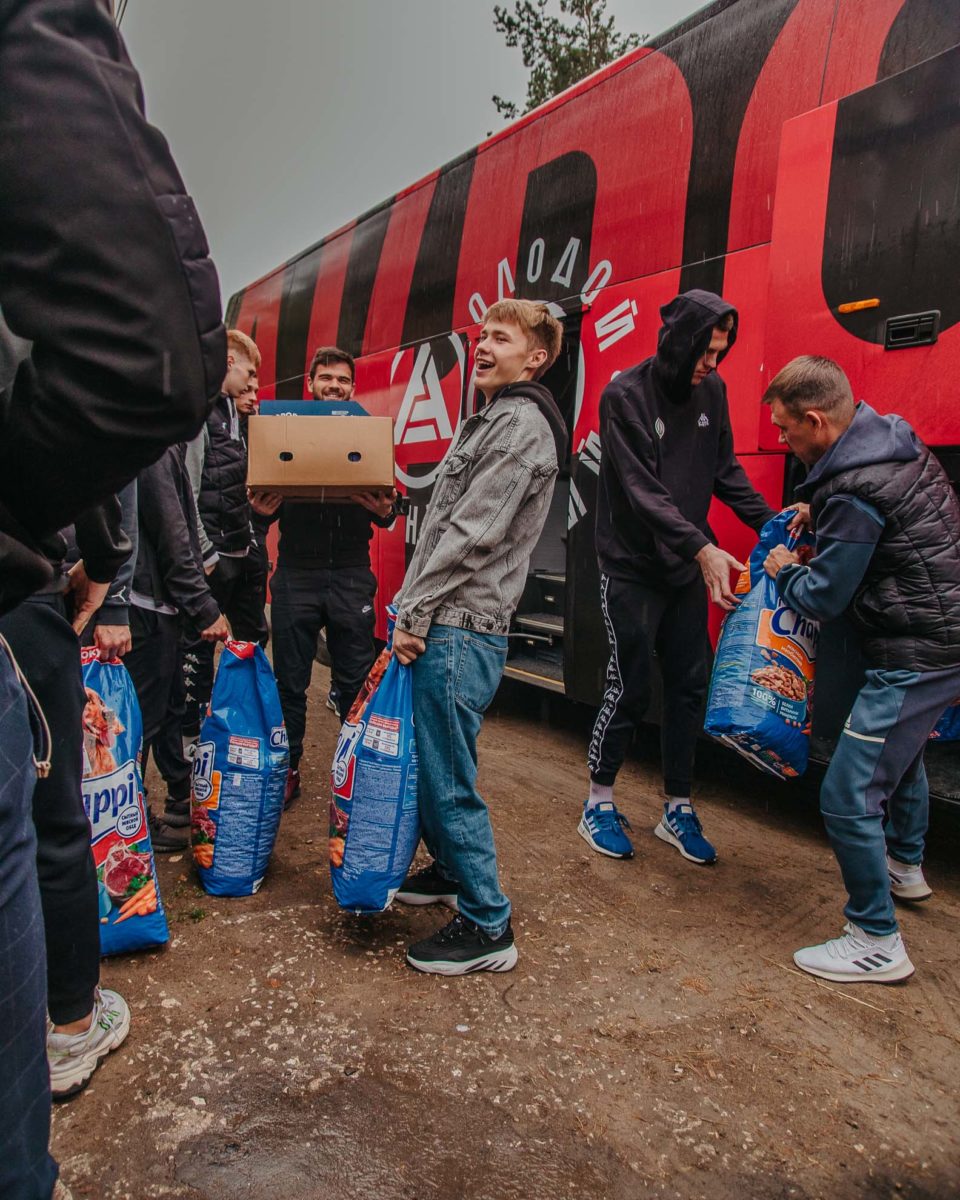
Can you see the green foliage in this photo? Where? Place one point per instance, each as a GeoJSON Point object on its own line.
{"type": "Point", "coordinates": [556, 53]}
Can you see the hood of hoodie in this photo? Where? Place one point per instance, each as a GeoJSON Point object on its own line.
{"type": "Point", "coordinates": [541, 396]}
{"type": "Point", "coordinates": [869, 439]}
{"type": "Point", "coordinates": [688, 323]}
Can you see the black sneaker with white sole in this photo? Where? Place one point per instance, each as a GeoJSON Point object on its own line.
{"type": "Point", "coordinates": [428, 886]}
{"type": "Point", "coordinates": [460, 948]}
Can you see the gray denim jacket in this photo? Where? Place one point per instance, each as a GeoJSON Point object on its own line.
{"type": "Point", "coordinates": [487, 510]}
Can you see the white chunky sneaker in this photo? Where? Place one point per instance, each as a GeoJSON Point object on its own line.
{"type": "Point", "coordinates": [74, 1057]}
{"type": "Point", "coordinates": [907, 882]}
{"type": "Point", "coordinates": [857, 957]}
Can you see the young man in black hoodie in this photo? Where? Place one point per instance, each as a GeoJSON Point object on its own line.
{"type": "Point", "coordinates": [667, 451]}
{"type": "Point", "coordinates": [888, 555]}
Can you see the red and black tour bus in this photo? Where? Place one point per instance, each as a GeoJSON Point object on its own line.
{"type": "Point", "coordinates": [801, 157]}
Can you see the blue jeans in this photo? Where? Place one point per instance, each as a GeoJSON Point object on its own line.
{"type": "Point", "coordinates": [454, 682]}
{"type": "Point", "coordinates": [27, 1172]}
{"type": "Point", "coordinates": [876, 775]}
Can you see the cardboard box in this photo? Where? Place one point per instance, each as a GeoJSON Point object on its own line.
{"type": "Point", "coordinates": [320, 458]}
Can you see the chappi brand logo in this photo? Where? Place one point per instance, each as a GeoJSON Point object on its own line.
{"type": "Point", "coordinates": [345, 759]}
{"type": "Point", "coordinates": [787, 632]}
{"type": "Point", "coordinates": [431, 411]}
{"type": "Point", "coordinates": [113, 803]}
{"type": "Point", "coordinates": [278, 737]}
{"type": "Point", "coordinates": [203, 771]}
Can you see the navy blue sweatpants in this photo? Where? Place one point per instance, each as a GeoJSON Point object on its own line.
{"type": "Point", "coordinates": [874, 797]}
{"type": "Point", "coordinates": [27, 1172]}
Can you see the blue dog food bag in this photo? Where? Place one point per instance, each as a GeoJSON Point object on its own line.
{"type": "Point", "coordinates": [374, 821]}
{"type": "Point", "coordinates": [239, 774]}
{"type": "Point", "coordinates": [762, 685]}
{"type": "Point", "coordinates": [131, 912]}
{"type": "Point", "coordinates": [947, 729]}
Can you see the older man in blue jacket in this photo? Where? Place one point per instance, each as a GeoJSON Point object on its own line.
{"type": "Point", "coordinates": [888, 555]}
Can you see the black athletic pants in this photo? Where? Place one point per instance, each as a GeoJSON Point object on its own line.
{"type": "Point", "coordinates": [155, 666]}
{"type": "Point", "coordinates": [641, 622]}
{"type": "Point", "coordinates": [48, 652]}
{"type": "Point", "coordinates": [306, 600]}
{"type": "Point", "coordinates": [239, 587]}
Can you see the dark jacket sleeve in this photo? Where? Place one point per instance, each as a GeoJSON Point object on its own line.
{"type": "Point", "coordinates": [847, 534]}
{"type": "Point", "coordinates": [628, 447]}
{"type": "Point", "coordinates": [101, 540]}
{"type": "Point", "coordinates": [164, 522]}
{"type": "Point", "coordinates": [115, 610]}
{"type": "Point", "coordinates": [104, 266]}
{"type": "Point", "coordinates": [731, 485]}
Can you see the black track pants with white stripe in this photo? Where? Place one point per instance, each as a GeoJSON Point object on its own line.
{"type": "Point", "coordinates": [645, 623]}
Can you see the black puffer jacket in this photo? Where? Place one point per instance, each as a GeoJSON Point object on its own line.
{"type": "Point", "coordinates": [222, 500]}
{"type": "Point", "coordinates": [907, 607]}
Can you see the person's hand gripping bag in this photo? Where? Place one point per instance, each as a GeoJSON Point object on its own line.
{"type": "Point", "coordinates": [131, 912]}
{"type": "Point", "coordinates": [761, 690]}
{"type": "Point", "coordinates": [374, 821]}
{"type": "Point", "coordinates": [239, 774]}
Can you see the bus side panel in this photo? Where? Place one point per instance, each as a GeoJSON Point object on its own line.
{"type": "Point", "coordinates": [890, 235]}
{"type": "Point", "coordinates": [798, 55]}
{"type": "Point", "coordinates": [859, 35]}
{"type": "Point", "coordinates": [327, 295]}
{"type": "Point", "coordinates": [745, 286]}
{"type": "Point", "coordinates": [259, 316]}
{"type": "Point", "coordinates": [397, 261]}
{"type": "Point", "coordinates": [616, 162]}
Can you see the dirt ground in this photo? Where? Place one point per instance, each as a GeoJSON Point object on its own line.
{"type": "Point", "coordinates": [653, 1041]}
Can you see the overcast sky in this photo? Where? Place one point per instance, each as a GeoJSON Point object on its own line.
{"type": "Point", "coordinates": [289, 118]}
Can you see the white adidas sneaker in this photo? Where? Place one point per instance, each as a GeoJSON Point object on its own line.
{"type": "Point", "coordinates": [857, 957]}
{"type": "Point", "coordinates": [907, 881]}
{"type": "Point", "coordinates": [73, 1058]}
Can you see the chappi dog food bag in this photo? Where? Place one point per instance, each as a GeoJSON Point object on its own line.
{"type": "Point", "coordinates": [131, 913]}
{"type": "Point", "coordinates": [374, 821]}
{"type": "Point", "coordinates": [239, 774]}
{"type": "Point", "coordinates": [762, 685]}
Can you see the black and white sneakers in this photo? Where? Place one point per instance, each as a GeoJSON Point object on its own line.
{"type": "Point", "coordinates": [460, 948]}
{"type": "Point", "coordinates": [428, 886]}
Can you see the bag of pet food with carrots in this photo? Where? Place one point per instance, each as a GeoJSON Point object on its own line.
{"type": "Point", "coordinates": [131, 912]}
{"type": "Point", "coordinates": [761, 690]}
{"type": "Point", "coordinates": [374, 820]}
{"type": "Point", "coordinates": [239, 774]}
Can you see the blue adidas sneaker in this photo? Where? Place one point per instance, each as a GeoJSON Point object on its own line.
{"type": "Point", "coordinates": [602, 828]}
{"type": "Point", "coordinates": [682, 828]}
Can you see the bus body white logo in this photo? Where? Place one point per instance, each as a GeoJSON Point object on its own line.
{"type": "Point", "coordinates": [430, 412]}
